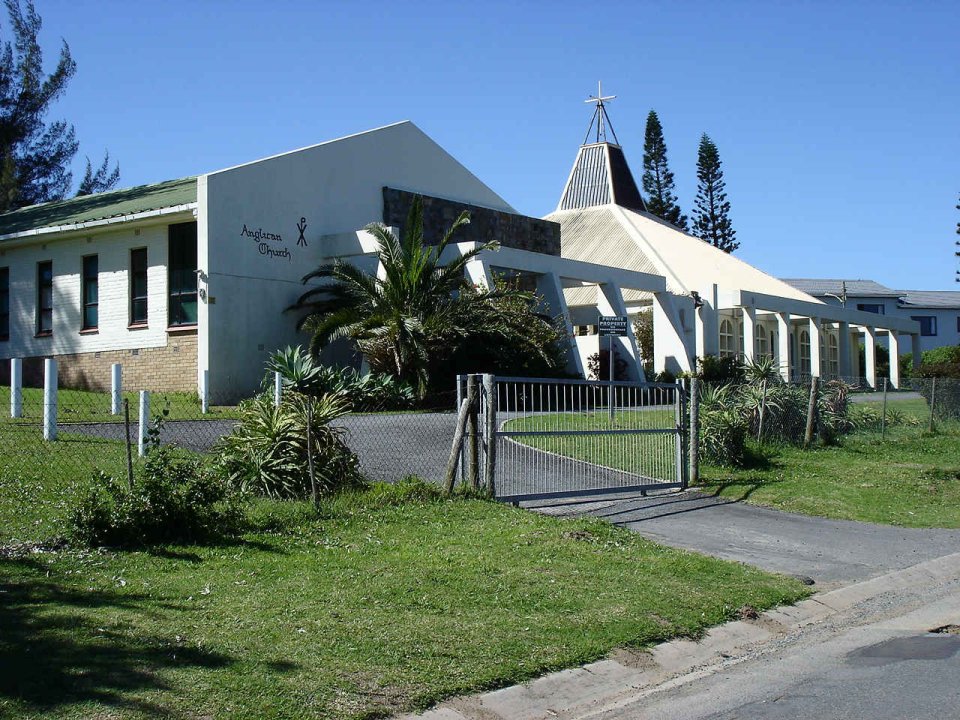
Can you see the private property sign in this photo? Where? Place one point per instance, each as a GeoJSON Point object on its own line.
{"type": "Point", "coordinates": [612, 325]}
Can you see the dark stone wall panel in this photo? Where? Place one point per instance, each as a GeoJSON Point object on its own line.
{"type": "Point", "coordinates": [510, 230]}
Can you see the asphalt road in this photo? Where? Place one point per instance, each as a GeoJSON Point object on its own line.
{"type": "Point", "coordinates": [832, 552]}
{"type": "Point", "coordinates": [879, 661]}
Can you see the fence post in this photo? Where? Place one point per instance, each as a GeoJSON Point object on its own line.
{"type": "Point", "coordinates": [16, 387]}
{"type": "Point", "coordinates": [933, 401]}
{"type": "Point", "coordinates": [126, 422]}
{"type": "Point", "coordinates": [473, 450]}
{"type": "Point", "coordinates": [490, 388]}
{"type": "Point", "coordinates": [694, 430]}
{"type": "Point", "coordinates": [205, 393]}
{"type": "Point", "coordinates": [883, 417]}
{"type": "Point", "coordinates": [811, 411]}
{"type": "Point", "coordinates": [144, 423]}
{"type": "Point", "coordinates": [277, 389]}
{"type": "Point", "coordinates": [116, 387]}
{"type": "Point", "coordinates": [49, 399]}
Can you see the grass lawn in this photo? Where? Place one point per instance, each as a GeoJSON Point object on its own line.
{"type": "Point", "coordinates": [389, 601]}
{"type": "Point", "coordinates": [911, 479]}
{"type": "Point", "coordinates": [83, 406]}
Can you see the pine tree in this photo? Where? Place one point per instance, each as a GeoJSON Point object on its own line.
{"type": "Point", "coordinates": [958, 244]}
{"type": "Point", "coordinates": [711, 215]}
{"type": "Point", "coordinates": [35, 156]}
{"type": "Point", "coordinates": [657, 178]}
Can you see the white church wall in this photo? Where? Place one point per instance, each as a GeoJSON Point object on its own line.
{"type": "Point", "coordinates": [251, 221]}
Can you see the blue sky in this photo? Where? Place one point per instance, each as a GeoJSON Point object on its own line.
{"type": "Point", "coordinates": [838, 123]}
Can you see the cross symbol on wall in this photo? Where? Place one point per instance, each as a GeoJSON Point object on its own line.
{"type": "Point", "coordinates": [301, 226]}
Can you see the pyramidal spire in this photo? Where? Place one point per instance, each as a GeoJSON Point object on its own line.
{"type": "Point", "coordinates": [600, 174]}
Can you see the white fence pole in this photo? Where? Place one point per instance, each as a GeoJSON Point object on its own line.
{"type": "Point", "coordinates": [144, 423]}
{"type": "Point", "coordinates": [277, 389]}
{"type": "Point", "coordinates": [50, 399]}
{"type": "Point", "coordinates": [16, 387]}
{"type": "Point", "coordinates": [116, 388]}
{"type": "Point", "coordinates": [205, 393]}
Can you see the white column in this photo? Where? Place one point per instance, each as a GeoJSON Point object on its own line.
{"type": "Point", "coordinates": [116, 388]}
{"type": "Point", "coordinates": [144, 423]}
{"type": "Point", "coordinates": [916, 350]}
{"type": "Point", "coordinates": [894, 358]}
{"type": "Point", "coordinates": [550, 288]}
{"type": "Point", "coordinates": [277, 389]}
{"type": "Point", "coordinates": [610, 302]}
{"type": "Point", "coordinates": [16, 387]}
{"type": "Point", "coordinates": [749, 334]}
{"type": "Point", "coordinates": [670, 351]}
{"type": "Point", "coordinates": [783, 345]}
{"type": "Point", "coordinates": [843, 349]}
{"type": "Point", "coordinates": [50, 399]}
{"type": "Point", "coordinates": [870, 355]}
{"type": "Point", "coordinates": [478, 272]}
{"type": "Point", "coordinates": [815, 369]}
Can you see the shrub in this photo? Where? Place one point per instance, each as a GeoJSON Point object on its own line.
{"type": "Point", "coordinates": [713, 369]}
{"type": "Point", "coordinates": [364, 393]}
{"type": "Point", "coordinates": [723, 430]}
{"type": "Point", "coordinates": [267, 451]}
{"type": "Point", "coordinates": [174, 501]}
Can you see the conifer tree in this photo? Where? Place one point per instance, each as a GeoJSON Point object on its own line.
{"type": "Point", "coordinates": [711, 214]}
{"type": "Point", "coordinates": [657, 178]}
{"type": "Point", "coordinates": [35, 155]}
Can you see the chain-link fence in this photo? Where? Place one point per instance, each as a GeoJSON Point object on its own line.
{"type": "Point", "coordinates": [71, 434]}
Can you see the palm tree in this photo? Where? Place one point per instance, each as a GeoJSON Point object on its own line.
{"type": "Point", "coordinates": [398, 317]}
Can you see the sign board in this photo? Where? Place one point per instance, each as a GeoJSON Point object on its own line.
{"type": "Point", "coordinates": [612, 325]}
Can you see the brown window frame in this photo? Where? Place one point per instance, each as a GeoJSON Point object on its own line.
{"type": "Point", "coordinates": [136, 273]}
{"type": "Point", "coordinates": [42, 309]}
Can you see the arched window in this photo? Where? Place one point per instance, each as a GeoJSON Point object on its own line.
{"type": "Point", "coordinates": [726, 338]}
{"type": "Point", "coordinates": [774, 350]}
{"type": "Point", "coordinates": [740, 337]}
{"type": "Point", "coordinates": [833, 355]}
{"type": "Point", "coordinates": [804, 352]}
{"type": "Point", "coordinates": [760, 344]}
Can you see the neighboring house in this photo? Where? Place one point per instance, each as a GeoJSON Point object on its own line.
{"type": "Point", "coordinates": [717, 304]}
{"type": "Point", "coordinates": [937, 311]}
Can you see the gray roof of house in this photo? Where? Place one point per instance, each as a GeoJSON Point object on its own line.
{"type": "Point", "coordinates": [601, 176]}
{"type": "Point", "coordinates": [101, 206]}
{"type": "Point", "coordinates": [819, 287]}
{"type": "Point", "coordinates": [947, 299]}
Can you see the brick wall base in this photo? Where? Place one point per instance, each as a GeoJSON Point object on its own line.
{"type": "Point", "coordinates": [166, 369]}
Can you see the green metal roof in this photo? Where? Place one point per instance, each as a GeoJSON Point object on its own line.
{"type": "Point", "coordinates": [100, 206]}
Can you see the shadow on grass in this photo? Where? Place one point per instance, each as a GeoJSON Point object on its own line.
{"type": "Point", "coordinates": [53, 653]}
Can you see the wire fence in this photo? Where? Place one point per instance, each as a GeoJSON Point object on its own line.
{"type": "Point", "coordinates": [72, 434]}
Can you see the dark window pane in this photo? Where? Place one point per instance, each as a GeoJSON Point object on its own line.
{"type": "Point", "coordinates": [181, 274]}
{"type": "Point", "coordinates": [138, 313]}
{"type": "Point", "coordinates": [46, 320]}
{"type": "Point", "coordinates": [90, 316]}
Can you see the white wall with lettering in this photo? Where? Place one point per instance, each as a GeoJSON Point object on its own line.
{"type": "Point", "coordinates": [259, 230]}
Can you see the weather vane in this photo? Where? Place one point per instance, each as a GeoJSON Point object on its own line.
{"type": "Point", "coordinates": [600, 116]}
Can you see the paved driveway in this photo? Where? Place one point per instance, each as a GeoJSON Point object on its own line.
{"type": "Point", "coordinates": [829, 551]}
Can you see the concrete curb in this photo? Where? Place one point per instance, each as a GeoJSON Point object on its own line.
{"type": "Point", "coordinates": [583, 691]}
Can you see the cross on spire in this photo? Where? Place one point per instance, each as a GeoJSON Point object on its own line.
{"type": "Point", "coordinates": [600, 116]}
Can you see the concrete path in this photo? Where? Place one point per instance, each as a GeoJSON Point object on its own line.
{"type": "Point", "coordinates": [832, 552]}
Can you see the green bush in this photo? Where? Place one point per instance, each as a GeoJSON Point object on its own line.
{"type": "Point", "coordinates": [174, 501]}
{"type": "Point", "coordinates": [723, 429]}
{"type": "Point", "coordinates": [372, 392]}
{"type": "Point", "coordinates": [267, 451]}
{"type": "Point", "coordinates": [713, 369]}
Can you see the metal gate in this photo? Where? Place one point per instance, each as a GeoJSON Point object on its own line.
{"type": "Point", "coordinates": [548, 438]}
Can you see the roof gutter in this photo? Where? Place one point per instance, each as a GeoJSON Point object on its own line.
{"type": "Point", "coordinates": [90, 224]}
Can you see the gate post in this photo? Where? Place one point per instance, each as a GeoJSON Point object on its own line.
{"type": "Point", "coordinates": [473, 427]}
{"type": "Point", "coordinates": [681, 475]}
{"type": "Point", "coordinates": [490, 388]}
{"type": "Point", "coordinates": [694, 475]}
